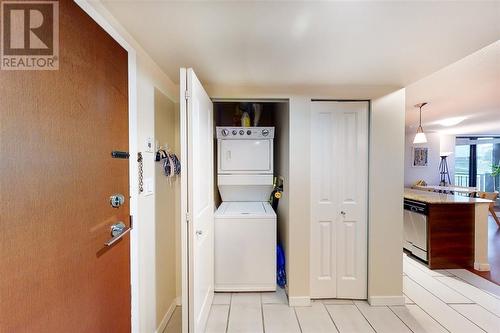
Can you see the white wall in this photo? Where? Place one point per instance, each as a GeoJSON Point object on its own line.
{"type": "Point", "coordinates": [149, 77]}
{"type": "Point", "coordinates": [437, 143]}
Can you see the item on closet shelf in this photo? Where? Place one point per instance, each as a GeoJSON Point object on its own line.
{"type": "Point", "coordinates": [245, 120]}
{"type": "Point", "coordinates": [237, 116]}
{"type": "Point", "coordinates": [257, 111]}
{"type": "Point", "coordinates": [280, 265]}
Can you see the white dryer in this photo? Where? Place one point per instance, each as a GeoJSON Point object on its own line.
{"type": "Point", "coordinates": [245, 223]}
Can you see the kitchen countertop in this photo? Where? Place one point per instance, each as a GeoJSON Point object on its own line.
{"type": "Point", "coordinates": [440, 198]}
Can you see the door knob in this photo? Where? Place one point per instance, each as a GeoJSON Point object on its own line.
{"type": "Point", "coordinates": [118, 230]}
{"type": "Point", "coordinates": [199, 232]}
{"type": "Point", "coordinates": [343, 213]}
{"type": "Point", "coordinates": [116, 200]}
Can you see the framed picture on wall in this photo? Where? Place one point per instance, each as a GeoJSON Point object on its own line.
{"type": "Point", "coordinates": [420, 157]}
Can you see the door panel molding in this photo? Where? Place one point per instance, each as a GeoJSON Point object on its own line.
{"type": "Point", "coordinates": [339, 187]}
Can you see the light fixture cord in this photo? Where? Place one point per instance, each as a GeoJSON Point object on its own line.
{"type": "Point", "coordinates": [420, 120]}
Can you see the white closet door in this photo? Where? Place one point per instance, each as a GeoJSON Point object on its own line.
{"type": "Point", "coordinates": [198, 143]}
{"type": "Point", "coordinates": [339, 180]}
{"type": "Point", "coordinates": [324, 208]}
{"type": "Point", "coordinates": [352, 241]}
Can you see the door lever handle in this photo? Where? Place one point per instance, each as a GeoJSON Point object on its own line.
{"type": "Point", "coordinates": [118, 230]}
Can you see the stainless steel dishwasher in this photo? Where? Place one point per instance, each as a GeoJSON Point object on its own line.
{"type": "Point", "coordinates": [415, 228]}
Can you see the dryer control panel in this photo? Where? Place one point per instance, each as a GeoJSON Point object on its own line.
{"type": "Point", "coordinates": [245, 133]}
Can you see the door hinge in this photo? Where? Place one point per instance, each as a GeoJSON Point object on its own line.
{"type": "Point", "coordinates": [187, 95]}
{"type": "Point", "coordinates": [131, 221]}
{"type": "Point", "coordinates": [188, 217]}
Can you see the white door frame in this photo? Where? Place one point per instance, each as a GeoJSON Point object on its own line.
{"type": "Point", "coordinates": [184, 201]}
{"type": "Point", "coordinates": [133, 149]}
{"type": "Point", "coordinates": [366, 207]}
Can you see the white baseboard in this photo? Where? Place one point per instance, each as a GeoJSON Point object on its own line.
{"type": "Point", "coordinates": [299, 301]}
{"type": "Point", "coordinates": [167, 316]}
{"type": "Point", "coordinates": [484, 267]}
{"type": "Point", "coordinates": [244, 288]}
{"type": "Point", "coordinates": [386, 300]}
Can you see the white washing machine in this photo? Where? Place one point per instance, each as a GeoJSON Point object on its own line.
{"type": "Point", "coordinates": [245, 223]}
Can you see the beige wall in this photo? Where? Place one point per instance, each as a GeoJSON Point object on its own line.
{"type": "Point", "coordinates": [281, 168]}
{"type": "Point", "coordinates": [166, 191]}
{"type": "Point", "coordinates": [386, 174]}
{"type": "Point", "coordinates": [300, 199]}
{"type": "Point", "coordinates": [149, 80]}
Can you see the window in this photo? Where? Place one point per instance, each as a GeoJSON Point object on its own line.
{"type": "Point", "coordinates": [462, 154]}
{"type": "Point", "coordinates": [474, 158]}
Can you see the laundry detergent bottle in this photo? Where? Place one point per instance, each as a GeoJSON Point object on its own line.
{"type": "Point", "coordinates": [245, 120]}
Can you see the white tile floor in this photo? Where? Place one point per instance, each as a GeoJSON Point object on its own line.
{"type": "Point", "coordinates": [436, 301]}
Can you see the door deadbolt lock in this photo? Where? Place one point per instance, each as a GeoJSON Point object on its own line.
{"type": "Point", "coordinates": [116, 200]}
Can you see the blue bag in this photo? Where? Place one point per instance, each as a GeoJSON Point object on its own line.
{"type": "Point", "coordinates": [281, 270]}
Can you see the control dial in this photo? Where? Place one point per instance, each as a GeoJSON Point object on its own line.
{"type": "Point", "coordinates": [242, 132]}
{"type": "Point", "coordinates": [249, 132]}
{"type": "Point", "coordinates": [265, 132]}
{"type": "Point", "coordinates": [225, 132]}
{"type": "Point", "coordinates": [235, 132]}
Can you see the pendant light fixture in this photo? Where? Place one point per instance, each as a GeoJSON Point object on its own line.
{"type": "Point", "coordinates": [420, 136]}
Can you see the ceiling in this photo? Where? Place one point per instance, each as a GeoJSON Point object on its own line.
{"type": "Point", "coordinates": [467, 92]}
{"type": "Point", "coordinates": [345, 45]}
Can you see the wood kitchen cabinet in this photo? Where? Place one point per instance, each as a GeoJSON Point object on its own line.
{"type": "Point", "coordinates": [450, 228]}
{"type": "Point", "coordinates": [450, 235]}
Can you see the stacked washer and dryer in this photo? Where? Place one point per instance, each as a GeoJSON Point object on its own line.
{"type": "Point", "coordinates": [245, 223]}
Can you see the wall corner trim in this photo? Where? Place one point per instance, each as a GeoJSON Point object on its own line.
{"type": "Point", "coordinates": [386, 300]}
{"type": "Point", "coordinates": [299, 301]}
{"type": "Point", "coordinates": [167, 316]}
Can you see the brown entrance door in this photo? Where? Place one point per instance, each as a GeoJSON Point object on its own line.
{"type": "Point", "coordinates": [58, 129]}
